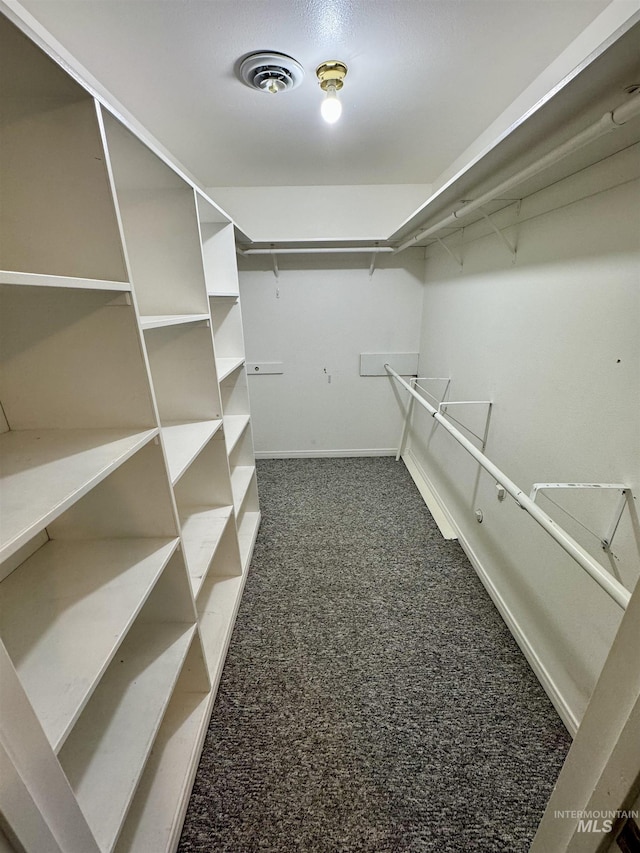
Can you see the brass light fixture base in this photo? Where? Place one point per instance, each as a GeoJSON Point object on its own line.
{"type": "Point", "coordinates": [331, 73]}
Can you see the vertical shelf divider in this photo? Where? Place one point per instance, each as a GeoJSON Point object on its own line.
{"type": "Point", "coordinates": [124, 374]}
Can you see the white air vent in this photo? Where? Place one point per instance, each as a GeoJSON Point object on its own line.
{"type": "Point", "coordinates": [271, 72]}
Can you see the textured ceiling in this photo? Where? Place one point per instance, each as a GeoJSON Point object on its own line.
{"type": "Point", "coordinates": [425, 78]}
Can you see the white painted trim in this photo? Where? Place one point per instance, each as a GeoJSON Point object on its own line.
{"type": "Point", "coordinates": [543, 675]}
{"type": "Point", "coordinates": [440, 513]}
{"type": "Point", "coordinates": [612, 23]}
{"type": "Point", "coordinates": [318, 454]}
{"type": "Point", "coordinates": [38, 34]}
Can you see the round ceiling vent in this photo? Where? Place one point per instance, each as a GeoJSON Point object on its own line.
{"type": "Point", "coordinates": [271, 72]}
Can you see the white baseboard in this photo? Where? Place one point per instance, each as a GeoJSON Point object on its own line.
{"type": "Point", "coordinates": [319, 454]}
{"type": "Point", "coordinates": [551, 688]}
{"type": "Point", "coordinates": [440, 514]}
{"type": "Point", "coordinates": [543, 675]}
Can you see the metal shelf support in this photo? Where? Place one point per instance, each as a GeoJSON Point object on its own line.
{"type": "Point", "coordinates": [445, 379]}
{"type": "Point", "coordinates": [619, 593]}
{"type": "Point", "coordinates": [624, 490]}
{"type": "Point", "coordinates": [372, 265]}
{"type": "Point", "coordinates": [481, 438]}
{"type": "Point", "coordinates": [511, 249]}
{"type": "Point", "coordinates": [450, 252]}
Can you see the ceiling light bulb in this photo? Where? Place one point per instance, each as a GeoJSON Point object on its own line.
{"type": "Point", "coordinates": [331, 76]}
{"type": "Point", "coordinates": [331, 108]}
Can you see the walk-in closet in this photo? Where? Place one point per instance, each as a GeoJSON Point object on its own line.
{"type": "Point", "coordinates": [319, 426]}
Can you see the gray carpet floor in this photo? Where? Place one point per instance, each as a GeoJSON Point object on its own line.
{"type": "Point", "coordinates": [372, 701]}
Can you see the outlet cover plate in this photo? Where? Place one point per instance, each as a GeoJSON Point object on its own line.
{"type": "Point", "coordinates": [257, 368]}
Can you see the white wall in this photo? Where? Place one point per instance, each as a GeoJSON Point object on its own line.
{"type": "Point", "coordinates": [317, 320]}
{"type": "Point", "coordinates": [320, 212]}
{"type": "Point", "coordinates": [564, 67]}
{"type": "Point", "coordinates": [554, 342]}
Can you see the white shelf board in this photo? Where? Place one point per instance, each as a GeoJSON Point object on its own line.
{"type": "Point", "coordinates": [223, 295]}
{"type": "Point", "coordinates": [234, 426]}
{"type": "Point", "coordinates": [155, 819]}
{"type": "Point", "coordinates": [39, 280]}
{"type": "Point", "coordinates": [66, 610]}
{"type": "Point", "coordinates": [209, 211]}
{"type": "Point", "coordinates": [104, 756]}
{"type": "Point", "coordinates": [183, 441]}
{"type": "Point", "coordinates": [43, 472]}
{"type": "Point", "coordinates": [247, 533]}
{"type": "Point", "coordinates": [226, 366]}
{"type": "Point", "coordinates": [241, 477]}
{"type": "Point", "coordinates": [202, 529]}
{"type": "Point", "coordinates": [217, 619]}
{"type": "Point", "coordinates": [158, 321]}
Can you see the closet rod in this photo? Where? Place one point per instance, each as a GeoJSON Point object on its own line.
{"type": "Point", "coordinates": [609, 121]}
{"type": "Point", "coordinates": [307, 250]}
{"type": "Point", "coordinates": [600, 575]}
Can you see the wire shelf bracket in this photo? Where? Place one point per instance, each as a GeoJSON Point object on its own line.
{"type": "Point", "coordinates": [372, 265]}
{"type": "Point", "coordinates": [456, 259]}
{"type": "Point", "coordinates": [443, 409]}
{"type": "Point", "coordinates": [625, 494]}
{"type": "Point", "coordinates": [511, 249]}
{"type": "Point", "coordinates": [414, 380]}
{"type": "Point", "coordinates": [617, 591]}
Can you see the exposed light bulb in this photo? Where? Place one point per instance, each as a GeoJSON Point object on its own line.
{"type": "Point", "coordinates": [331, 75]}
{"type": "Point", "coordinates": [331, 108]}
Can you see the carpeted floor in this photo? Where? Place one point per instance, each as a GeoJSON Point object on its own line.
{"type": "Point", "coordinates": [372, 701]}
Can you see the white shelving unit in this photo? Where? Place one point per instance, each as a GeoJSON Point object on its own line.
{"type": "Point", "coordinates": [227, 366]}
{"type": "Point", "coordinates": [218, 251]}
{"type": "Point", "coordinates": [238, 435]}
{"type": "Point", "coordinates": [184, 441]}
{"type": "Point", "coordinates": [128, 499]}
{"type": "Point", "coordinates": [66, 590]}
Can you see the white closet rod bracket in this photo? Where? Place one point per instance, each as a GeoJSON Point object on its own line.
{"type": "Point", "coordinates": [442, 407]}
{"type": "Point", "coordinates": [272, 251]}
{"type": "Point", "coordinates": [507, 243]}
{"type": "Point", "coordinates": [450, 252]}
{"type": "Point", "coordinates": [407, 418]}
{"type": "Point", "coordinates": [599, 573]}
{"type": "Point", "coordinates": [444, 379]}
{"type": "Point", "coordinates": [625, 493]}
{"type": "Point", "coordinates": [608, 122]}
{"type": "Point", "coordinates": [372, 265]}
